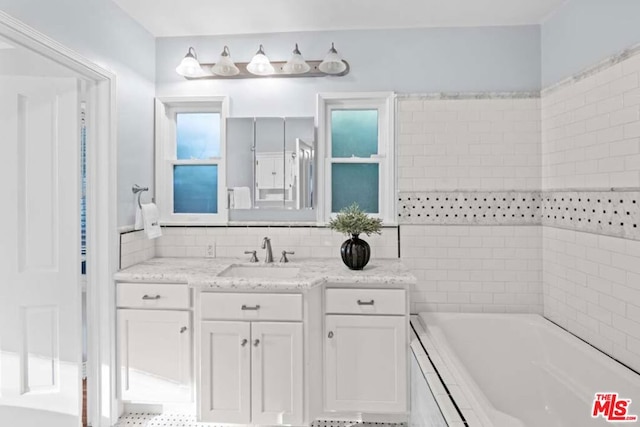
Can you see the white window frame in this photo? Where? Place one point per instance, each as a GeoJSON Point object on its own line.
{"type": "Point", "coordinates": [166, 157]}
{"type": "Point", "coordinates": [384, 102]}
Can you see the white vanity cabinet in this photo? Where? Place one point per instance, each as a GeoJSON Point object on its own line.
{"type": "Point", "coordinates": [251, 358]}
{"type": "Point", "coordinates": [155, 343]}
{"type": "Point", "coordinates": [366, 351]}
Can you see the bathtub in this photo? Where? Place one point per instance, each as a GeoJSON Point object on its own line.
{"type": "Point", "coordinates": [511, 370]}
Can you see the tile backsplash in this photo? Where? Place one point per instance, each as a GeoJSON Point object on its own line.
{"type": "Point", "coordinates": [233, 241]}
{"type": "Point", "coordinates": [135, 248]}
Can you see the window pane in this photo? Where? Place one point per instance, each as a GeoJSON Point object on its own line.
{"type": "Point", "coordinates": [352, 182]}
{"type": "Point", "coordinates": [354, 133]}
{"type": "Point", "coordinates": [195, 189]}
{"type": "Point", "coordinates": [198, 135]}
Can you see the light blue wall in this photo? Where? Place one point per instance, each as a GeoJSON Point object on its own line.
{"type": "Point", "coordinates": [405, 61]}
{"type": "Point", "coordinates": [583, 32]}
{"type": "Point", "coordinates": [102, 32]}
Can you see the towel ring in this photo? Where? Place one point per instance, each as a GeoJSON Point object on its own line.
{"type": "Point", "coordinates": [136, 189]}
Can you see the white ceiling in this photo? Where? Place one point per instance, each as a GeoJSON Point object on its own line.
{"type": "Point", "coordinates": [165, 18]}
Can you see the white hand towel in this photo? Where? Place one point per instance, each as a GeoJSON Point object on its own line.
{"type": "Point", "coordinates": [139, 225]}
{"type": "Point", "coordinates": [151, 217]}
{"type": "Point", "coordinates": [241, 198]}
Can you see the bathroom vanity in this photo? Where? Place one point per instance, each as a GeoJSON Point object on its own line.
{"type": "Point", "coordinates": [266, 344]}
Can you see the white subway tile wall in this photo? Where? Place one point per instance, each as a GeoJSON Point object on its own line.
{"type": "Point", "coordinates": [307, 242]}
{"type": "Point", "coordinates": [592, 288]}
{"type": "Point", "coordinates": [591, 140]}
{"type": "Point", "coordinates": [471, 144]}
{"type": "Point", "coordinates": [135, 248]}
{"type": "Point", "coordinates": [491, 269]}
{"type": "Point", "coordinates": [591, 130]}
{"type": "Point", "coordinates": [468, 144]}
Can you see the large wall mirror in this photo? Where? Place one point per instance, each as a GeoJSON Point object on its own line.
{"type": "Point", "coordinates": [271, 167]}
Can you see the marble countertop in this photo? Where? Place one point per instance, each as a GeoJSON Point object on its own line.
{"type": "Point", "coordinates": [203, 273]}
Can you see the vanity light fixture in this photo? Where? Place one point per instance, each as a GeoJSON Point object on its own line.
{"type": "Point", "coordinates": [261, 67]}
{"type": "Point", "coordinates": [332, 63]}
{"type": "Point", "coordinates": [297, 64]}
{"type": "Point", "coordinates": [225, 66]}
{"type": "Point", "coordinates": [260, 64]}
{"type": "Point", "coordinates": [190, 67]}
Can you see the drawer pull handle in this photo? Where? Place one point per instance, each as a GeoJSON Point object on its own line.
{"type": "Point", "coordinates": [330, 334]}
{"type": "Point", "coordinates": [360, 302]}
{"type": "Point", "coordinates": [244, 342]}
{"type": "Point", "coordinates": [256, 342]}
{"type": "Point", "coordinates": [183, 329]}
{"type": "Point", "coordinates": [147, 297]}
{"type": "Point", "coordinates": [255, 307]}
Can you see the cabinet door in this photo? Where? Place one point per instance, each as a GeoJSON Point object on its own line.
{"type": "Point", "coordinates": [265, 171]}
{"type": "Point", "coordinates": [155, 355]}
{"type": "Point", "coordinates": [365, 364]}
{"type": "Point", "coordinates": [276, 375]}
{"type": "Point", "coordinates": [225, 388]}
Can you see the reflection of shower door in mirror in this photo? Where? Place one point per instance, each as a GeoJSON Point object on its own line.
{"type": "Point", "coordinates": [303, 181]}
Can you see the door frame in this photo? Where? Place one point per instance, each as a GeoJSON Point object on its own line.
{"type": "Point", "coordinates": [102, 248]}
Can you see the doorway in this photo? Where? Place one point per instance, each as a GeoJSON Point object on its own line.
{"type": "Point", "coordinates": [57, 228]}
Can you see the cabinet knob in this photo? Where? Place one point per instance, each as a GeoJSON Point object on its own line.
{"type": "Point", "coordinates": [330, 335]}
{"type": "Point", "coordinates": [147, 297]}
{"type": "Point", "coordinates": [360, 302]}
{"type": "Point", "coordinates": [256, 342]}
{"type": "Point", "coordinates": [183, 329]}
{"type": "Point", "coordinates": [251, 308]}
{"type": "Point", "coordinates": [244, 342]}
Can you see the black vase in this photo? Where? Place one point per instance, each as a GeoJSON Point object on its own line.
{"type": "Point", "coordinates": [355, 253]}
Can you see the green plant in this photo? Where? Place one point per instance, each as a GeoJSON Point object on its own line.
{"type": "Point", "coordinates": [353, 221]}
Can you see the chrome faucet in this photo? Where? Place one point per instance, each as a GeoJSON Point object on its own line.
{"type": "Point", "coordinates": [266, 244]}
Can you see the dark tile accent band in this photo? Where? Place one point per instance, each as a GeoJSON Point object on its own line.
{"type": "Point", "coordinates": [610, 213]}
{"type": "Point", "coordinates": [470, 208]}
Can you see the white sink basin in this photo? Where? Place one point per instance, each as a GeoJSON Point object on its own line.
{"type": "Point", "coordinates": [260, 272]}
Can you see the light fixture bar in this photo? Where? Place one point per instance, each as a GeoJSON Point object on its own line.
{"type": "Point", "coordinates": [278, 72]}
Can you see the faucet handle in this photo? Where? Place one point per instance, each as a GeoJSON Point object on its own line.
{"type": "Point", "coordinates": [284, 256]}
{"type": "Point", "coordinates": [254, 257]}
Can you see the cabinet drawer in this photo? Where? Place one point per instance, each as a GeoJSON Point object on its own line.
{"type": "Point", "coordinates": [365, 301]}
{"type": "Point", "coordinates": [146, 295]}
{"type": "Point", "coordinates": [249, 306]}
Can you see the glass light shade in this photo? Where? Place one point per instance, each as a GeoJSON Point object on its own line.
{"type": "Point", "coordinates": [225, 66]}
{"type": "Point", "coordinates": [332, 63]}
{"type": "Point", "coordinates": [260, 64]}
{"type": "Point", "coordinates": [297, 64]}
{"type": "Point", "coordinates": [190, 67]}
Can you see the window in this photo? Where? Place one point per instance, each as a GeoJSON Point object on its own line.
{"type": "Point", "coordinates": [190, 177]}
{"type": "Point", "coordinates": [356, 137]}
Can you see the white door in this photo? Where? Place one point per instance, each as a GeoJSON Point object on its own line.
{"type": "Point", "coordinates": [276, 373]}
{"type": "Point", "coordinates": [365, 364]}
{"type": "Point", "coordinates": [225, 372]}
{"type": "Point", "coordinates": [155, 355]}
{"type": "Point", "coordinates": [40, 293]}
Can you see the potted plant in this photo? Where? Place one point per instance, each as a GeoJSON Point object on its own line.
{"type": "Point", "coordinates": [353, 221]}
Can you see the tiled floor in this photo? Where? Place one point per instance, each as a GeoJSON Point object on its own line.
{"type": "Point", "coordinates": [180, 420]}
